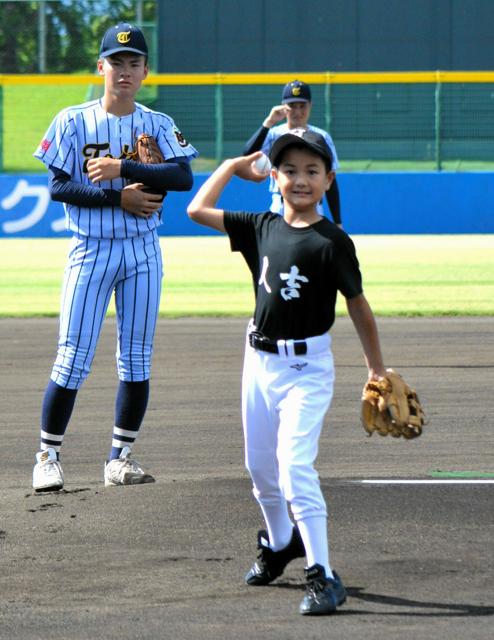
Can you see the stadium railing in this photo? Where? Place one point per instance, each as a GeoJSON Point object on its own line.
{"type": "Point", "coordinates": [423, 119]}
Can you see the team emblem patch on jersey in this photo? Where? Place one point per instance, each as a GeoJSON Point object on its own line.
{"type": "Point", "coordinates": [180, 138]}
{"type": "Point", "coordinates": [45, 145]}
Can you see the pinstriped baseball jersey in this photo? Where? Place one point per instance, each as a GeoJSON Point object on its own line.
{"type": "Point", "coordinates": [87, 131]}
{"type": "Point", "coordinates": [275, 133]}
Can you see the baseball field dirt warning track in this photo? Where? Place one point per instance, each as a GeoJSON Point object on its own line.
{"type": "Point", "coordinates": [167, 560]}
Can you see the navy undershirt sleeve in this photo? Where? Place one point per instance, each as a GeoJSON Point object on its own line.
{"type": "Point", "coordinates": [173, 175]}
{"type": "Point", "coordinates": [63, 189]}
{"type": "Point", "coordinates": [256, 141]}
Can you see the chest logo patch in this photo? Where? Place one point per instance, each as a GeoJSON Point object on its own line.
{"type": "Point", "coordinates": [294, 282]}
{"type": "Point", "coordinates": [293, 279]}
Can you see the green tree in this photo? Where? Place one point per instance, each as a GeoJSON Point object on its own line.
{"type": "Point", "coordinates": [18, 37]}
{"type": "Point", "coordinates": [73, 32]}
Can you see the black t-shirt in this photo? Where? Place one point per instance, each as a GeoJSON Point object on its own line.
{"type": "Point", "coordinates": [296, 272]}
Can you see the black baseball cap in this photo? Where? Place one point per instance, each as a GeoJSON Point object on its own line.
{"type": "Point", "coordinates": [296, 91]}
{"type": "Point", "coordinates": [123, 37]}
{"type": "Point", "coordinates": [308, 139]}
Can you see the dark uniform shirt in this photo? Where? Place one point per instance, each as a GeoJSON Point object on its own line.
{"type": "Point", "coordinates": [296, 272]}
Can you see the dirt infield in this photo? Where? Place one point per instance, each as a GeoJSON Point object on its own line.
{"type": "Point", "coordinates": [167, 560]}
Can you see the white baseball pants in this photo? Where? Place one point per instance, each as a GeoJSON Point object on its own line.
{"type": "Point", "coordinates": [284, 401]}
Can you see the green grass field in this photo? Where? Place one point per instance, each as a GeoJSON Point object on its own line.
{"type": "Point", "coordinates": [403, 276]}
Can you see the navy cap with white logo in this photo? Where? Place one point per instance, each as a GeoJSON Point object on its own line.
{"type": "Point", "coordinates": [309, 139]}
{"type": "Point", "coordinates": [123, 37]}
{"type": "Point", "coordinates": [296, 91]}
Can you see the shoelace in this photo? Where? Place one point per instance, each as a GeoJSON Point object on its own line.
{"type": "Point", "coordinates": [264, 555]}
{"type": "Point", "coordinates": [51, 468]}
{"type": "Point", "coordinates": [317, 585]}
{"type": "Point", "coordinates": [49, 463]}
{"type": "Point", "coordinates": [132, 464]}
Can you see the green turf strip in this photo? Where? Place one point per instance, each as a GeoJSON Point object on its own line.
{"type": "Point", "coordinates": [461, 474]}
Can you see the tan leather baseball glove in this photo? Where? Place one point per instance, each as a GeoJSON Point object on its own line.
{"type": "Point", "coordinates": [147, 151]}
{"type": "Point", "coordinates": [391, 407]}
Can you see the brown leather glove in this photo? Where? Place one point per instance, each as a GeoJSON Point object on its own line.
{"type": "Point", "coordinates": [391, 407]}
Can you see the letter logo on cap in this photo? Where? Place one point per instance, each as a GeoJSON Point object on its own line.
{"type": "Point", "coordinates": [123, 37]}
{"type": "Point", "coordinates": [295, 91]}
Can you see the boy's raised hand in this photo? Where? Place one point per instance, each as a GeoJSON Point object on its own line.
{"type": "Point", "coordinates": [244, 167]}
{"type": "Point", "coordinates": [203, 207]}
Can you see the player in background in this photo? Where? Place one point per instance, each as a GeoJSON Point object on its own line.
{"type": "Point", "coordinates": [113, 206]}
{"type": "Point", "coordinates": [299, 261]}
{"type": "Point", "coordinates": [296, 105]}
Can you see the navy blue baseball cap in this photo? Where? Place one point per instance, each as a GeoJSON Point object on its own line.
{"type": "Point", "coordinates": [123, 37]}
{"type": "Point", "coordinates": [309, 139]}
{"type": "Point", "coordinates": [296, 91]}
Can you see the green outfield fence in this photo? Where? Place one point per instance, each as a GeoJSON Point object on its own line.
{"type": "Point", "coordinates": [425, 119]}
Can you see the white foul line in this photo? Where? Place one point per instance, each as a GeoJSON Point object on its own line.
{"type": "Point", "coordinates": [432, 481]}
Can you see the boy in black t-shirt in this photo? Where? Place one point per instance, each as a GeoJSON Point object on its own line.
{"type": "Point", "coordinates": [298, 263]}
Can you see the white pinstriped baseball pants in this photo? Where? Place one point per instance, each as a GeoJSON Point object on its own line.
{"type": "Point", "coordinates": [284, 401]}
{"type": "Point", "coordinates": [130, 267]}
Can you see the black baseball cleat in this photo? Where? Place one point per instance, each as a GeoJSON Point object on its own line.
{"type": "Point", "coordinates": [323, 595]}
{"type": "Point", "coordinates": [271, 564]}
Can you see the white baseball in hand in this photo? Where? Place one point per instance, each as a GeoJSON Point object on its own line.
{"type": "Point", "coordinates": [262, 165]}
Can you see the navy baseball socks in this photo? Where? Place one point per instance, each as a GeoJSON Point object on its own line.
{"type": "Point", "coordinates": [120, 469]}
{"type": "Point", "coordinates": [58, 404]}
{"type": "Point", "coordinates": [130, 407]}
{"type": "Point", "coordinates": [271, 564]}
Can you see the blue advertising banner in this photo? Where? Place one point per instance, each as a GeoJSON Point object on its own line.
{"type": "Point", "coordinates": [372, 203]}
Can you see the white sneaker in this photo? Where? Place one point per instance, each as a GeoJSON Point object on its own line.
{"type": "Point", "coordinates": [123, 470]}
{"type": "Point", "coordinates": [47, 472]}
